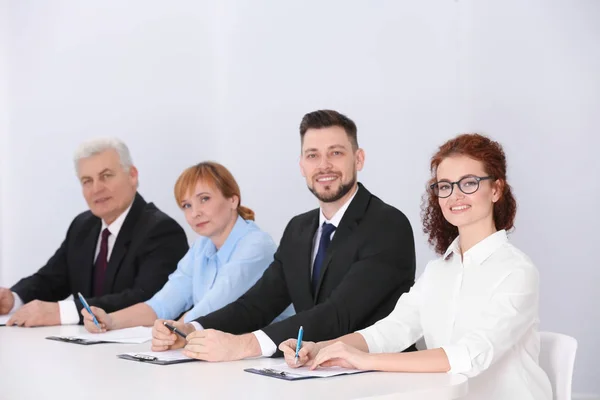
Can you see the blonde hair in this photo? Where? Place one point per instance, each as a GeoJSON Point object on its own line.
{"type": "Point", "coordinates": [214, 174]}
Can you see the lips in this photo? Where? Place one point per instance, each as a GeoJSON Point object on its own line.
{"type": "Point", "coordinates": [201, 224]}
{"type": "Point", "coordinates": [324, 179]}
{"type": "Point", "coordinates": [457, 208]}
{"type": "Point", "coordinates": [101, 200]}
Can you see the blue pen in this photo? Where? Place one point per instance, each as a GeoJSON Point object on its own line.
{"type": "Point", "coordinates": [87, 307]}
{"type": "Point", "coordinates": [298, 344]}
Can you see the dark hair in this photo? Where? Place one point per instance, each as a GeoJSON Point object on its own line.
{"type": "Point", "coordinates": [490, 153]}
{"type": "Point", "coordinates": [214, 174]}
{"type": "Point", "coordinates": [326, 118]}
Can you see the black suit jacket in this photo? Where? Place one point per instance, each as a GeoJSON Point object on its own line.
{"type": "Point", "coordinates": [369, 264]}
{"type": "Point", "coordinates": [146, 251]}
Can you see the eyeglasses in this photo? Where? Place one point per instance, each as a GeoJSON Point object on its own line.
{"type": "Point", "coordinates": [467, 185]}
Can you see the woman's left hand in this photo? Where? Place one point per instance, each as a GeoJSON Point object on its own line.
{"type": "Point", "coordinates": [342, 355]}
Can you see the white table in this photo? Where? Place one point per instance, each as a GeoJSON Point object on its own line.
{"type": "Point", "coordinates": [32, 367]}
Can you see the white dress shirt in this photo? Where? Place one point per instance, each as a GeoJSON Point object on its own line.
{"type": "Point", "coordinates": [483, 311]}
{"type": "Point", "coordinates": [69, 315]}
{"type": "Point", "coordinates": [267, 346]}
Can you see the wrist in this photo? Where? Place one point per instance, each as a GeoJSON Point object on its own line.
{"type": "Point", "coordinates": [249, 346]}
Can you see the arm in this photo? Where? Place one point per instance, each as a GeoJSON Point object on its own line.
{"type": "Point", "coordinates": [164, 246]}
{"type": "Point", "coordinates": [264, 301]}
{"type": "Point", "coordinates": [251, 257]}
{"type": "Point", "coordinates": [510, 314]}
{"type": "Point", "coordinates": [176, 295]}
{"type": "Point", "coordinates": [51, 282]}
{"type": "Point", "coordinates": [384, 268]}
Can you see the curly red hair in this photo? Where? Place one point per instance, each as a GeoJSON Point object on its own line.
{"type": "Point", "coordinates": [478, 147]}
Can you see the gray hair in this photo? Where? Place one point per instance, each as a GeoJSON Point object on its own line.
{"type": "Point", "coordinates": [96, 146]}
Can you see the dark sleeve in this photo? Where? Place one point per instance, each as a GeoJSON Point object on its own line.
{"type": "Point", "coordinates": [256, 308]}
{"type": "Point", "coordinates": [164, 246]}
{"type": "Point", "coordinates": [385, 268]}
{"type": "Point", "coordinates": [51, 282]}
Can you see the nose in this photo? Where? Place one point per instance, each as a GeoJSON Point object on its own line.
{"type": "Point", "coordinates": [325, 163]}
{"type": "Point", "coordinates": [196, 210]}
{"type": "Point", "coordinates": [97, 186]}
{"type": "Point", "coordinates": [457, 193]}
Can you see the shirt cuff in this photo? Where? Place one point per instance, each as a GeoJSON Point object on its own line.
{"type": "Point", "coordinates": [196, 326]}
{"type": "Point", "coordinates": [18, 303]}
{"type": "Point", "coordinates": [267, 346]}
{"type": "Point", "coordinates": [458, 358]}
{"type": "Point", "coordinates": [68, 312]}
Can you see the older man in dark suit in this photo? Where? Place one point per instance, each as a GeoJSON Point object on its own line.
{"type": "Point", "coordinates": [118, 253]}
{"type": "Point", "coordinates": [343, 266]}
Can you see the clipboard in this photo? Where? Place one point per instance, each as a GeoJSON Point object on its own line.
{"type": "Point", "coordinates": [277, 374]}
{"type": "Point", "coordinates": [75, 340]}
{"type": "Point", "coordinates": [281, 371]}
{"type": "Point", "coordinates": [153, 359]}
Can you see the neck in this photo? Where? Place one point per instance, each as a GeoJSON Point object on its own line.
{"type": "Point", "coordinates": [472, 234]}
{"type": "Point", "coordinates": [329, 209]}
{"type": "Point", "coordinates": [219, 239]}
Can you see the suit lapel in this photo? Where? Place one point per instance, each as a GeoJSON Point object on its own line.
{"type": "Point", "coordinates": [124, 238]}
{"type": "Point", "coordinates": [349, 222]}
{"type": "Point", "coordinates": [84, 267]}
{"type": "Point", "coordinates": [307, 235]}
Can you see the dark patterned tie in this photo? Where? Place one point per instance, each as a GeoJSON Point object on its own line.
{"type": "Point", "coordinates": [101, 264]}
{"type": "Point", "coordinates": [326, 232]}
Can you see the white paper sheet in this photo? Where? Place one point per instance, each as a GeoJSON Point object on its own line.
{"type": "Point", "coordinates": [4, 319]}
{"type": "Point", "coordinates": [169, 355]}
{"type": "Point", "coordinates": [139, 334]}
{"type": "Point", "coordinates": [317, 373]}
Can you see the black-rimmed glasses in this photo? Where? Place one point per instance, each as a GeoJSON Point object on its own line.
{"type": "Point", "coordinates": [467, 185]}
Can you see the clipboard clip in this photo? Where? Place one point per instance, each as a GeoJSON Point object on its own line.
{"type": "Point", "coordinates": [273, 372]}
{"type": "Point", "coordinates": [143, 357]}
{"type": "Point", "coordinates": [71, 339]}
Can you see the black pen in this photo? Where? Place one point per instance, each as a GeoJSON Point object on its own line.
{"type": "Point", "coordinates": [173, 329]}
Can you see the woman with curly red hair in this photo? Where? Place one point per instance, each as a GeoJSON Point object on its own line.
{"type": "Point", "coordinates": [476, 306]}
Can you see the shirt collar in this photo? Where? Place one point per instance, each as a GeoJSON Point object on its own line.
{"type": "Point", "coordinates": [337, 217]}
{"type": "Point", "coordinates": [482, 250]}
{"type": "Point", "coordinates": [117, 224]}
{"type": "Point", "coordinates": [224, 253]}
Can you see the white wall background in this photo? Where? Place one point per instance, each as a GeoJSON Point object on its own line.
{"type": "Point", "coordinates": [186, 81]}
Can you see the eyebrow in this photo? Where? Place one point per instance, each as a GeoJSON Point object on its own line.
{"type": "Point", "coordinates": [448, 180]}
{"type": "Point", "coordinates": [100, 173]}
{"type": "Point", "coordinates": [196, 195]}
{"type": "Point", "coordinates": [333, 146]}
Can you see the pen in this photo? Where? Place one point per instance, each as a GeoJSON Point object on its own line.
{"type": "Point", "coordinates": [173, 329]}
{"type": "Point", "coordinates": [87, 307]}
{"type": "Point", "coordinates": [298, 344]}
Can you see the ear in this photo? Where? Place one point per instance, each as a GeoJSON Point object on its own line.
{"type": "Point", "coordinates": [497, 190]}
{"type": "Point", "coordinates": [133, 174]}
{"type": "Point", "coordinates": [360, 159]}
{"type": "Point", "coordinates": [301, 167]}
{"type": "Point", "coordinates": [235, 202]}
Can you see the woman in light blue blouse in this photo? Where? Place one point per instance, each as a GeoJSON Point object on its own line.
{"type": "Point", "coordinates": [228, 258]}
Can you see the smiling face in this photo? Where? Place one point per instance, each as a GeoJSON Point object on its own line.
{"type": "Point", "coordinates": [467, 210]}
{"type": "Point", "coordinates": [208, 212]}
{"type": "Point", "coordinates": [107, 187]}
{"type": "Point", "coordinates": [329, 164]}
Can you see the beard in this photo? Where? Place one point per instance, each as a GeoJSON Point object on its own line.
{"type": "Point", "coordinates": [331, 197]}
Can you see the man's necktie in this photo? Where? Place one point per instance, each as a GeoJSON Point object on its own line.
{"type": "Point", "coordinates": [326, 232]}
{"type": "Point", "coordinates": [101, 264]}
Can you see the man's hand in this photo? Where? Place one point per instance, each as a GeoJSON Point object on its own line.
{"type": "Point", "coordinates": [36, 313]}
{"type": "Point", "coordinates": [213, 345]}
{"type": "Point", "coordinates": [7, 300]}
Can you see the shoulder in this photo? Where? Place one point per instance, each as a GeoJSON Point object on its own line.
{"type": "Point", "coordinates": [84, 221]}
{"type": "Point", "coordinates": [152, 218]}
{"type": "Point", "coordinates": [254, 236]}
{"type": "Point", "coordinates": [511, 260]}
